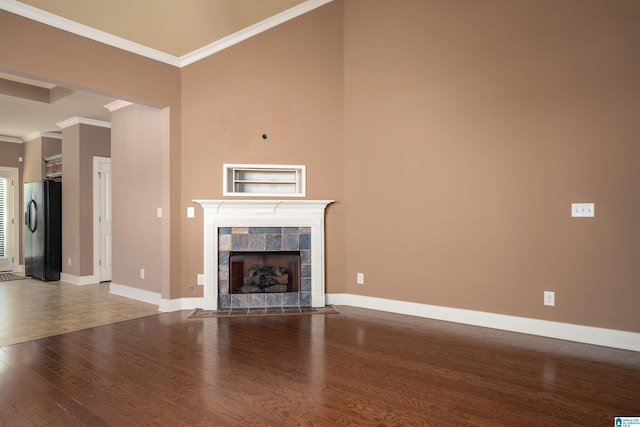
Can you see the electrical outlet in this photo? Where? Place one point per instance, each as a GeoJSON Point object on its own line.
{"type": "Point", "coordinates": [191, 212]}
{"type": "Point", "coordinates": [360, 278]}
{"type": "Point", "coordinates": [549, 298]}
{"type": "Point", "coordinates": [200, 279]}
{"type": "Point", "coordinates": [583, 210]}
{"type": "Point", "coordinates": [69, 262]}
{"type": "Point", "coordinates": [142, 273]}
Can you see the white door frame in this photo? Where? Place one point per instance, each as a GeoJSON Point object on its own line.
{"type": "Point", "coordinates": [96, 215]}
{"type": "Point", "coordinates": [15, 231]}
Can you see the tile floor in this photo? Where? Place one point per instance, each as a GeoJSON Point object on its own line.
{"type": "Point", "coordinates": [31, 309]}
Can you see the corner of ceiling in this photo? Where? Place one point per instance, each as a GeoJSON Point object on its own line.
{"type": "Point", "coordinates": [56, 21]}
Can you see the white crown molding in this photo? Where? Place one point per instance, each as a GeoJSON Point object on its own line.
{"type": "Point", "coordinates": [52, 135]}
{"type": "Point", "coordinates": [11, 139]}
{"type": "Point", "coordinates": [251, 31]}
{"type": "Point", "coordinates": [35, 135]}
{"type": "Point", "coordinates": [116, 105]}
{"type": "Point", "coordinates": [65, 24]}
{"type": "Point", "coordinates": [84, 121]}
{"type": "Point", "coordinates": [31, 136]}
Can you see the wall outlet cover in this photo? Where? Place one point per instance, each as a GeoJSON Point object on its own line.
{"type": "Point", "coordinates": [549, 298]}
{"type": "Point", "coordinates": [583, 210]}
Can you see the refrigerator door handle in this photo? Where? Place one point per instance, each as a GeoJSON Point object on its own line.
{"type": "Point", "coordinates": [27, 214]}
{"type": "Point", "coordinates": [32, 218]}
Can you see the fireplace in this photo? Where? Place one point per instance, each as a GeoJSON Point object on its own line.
{"type": "Point", "coordinates": [280, 236]}
{"type": "Point", "coordinates": [264, 272]}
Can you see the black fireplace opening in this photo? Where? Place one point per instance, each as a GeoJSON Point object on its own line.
{"type": "Point", "coordinates": [264, 272]}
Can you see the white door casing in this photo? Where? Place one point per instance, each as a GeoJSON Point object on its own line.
{"type": "Point", "coordinates": [102, 208]}
{"type": "Point", "coordinates": [9, 259]}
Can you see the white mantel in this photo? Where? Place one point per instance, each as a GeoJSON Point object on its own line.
{"type": "Point", "coordinates": [263, 213]}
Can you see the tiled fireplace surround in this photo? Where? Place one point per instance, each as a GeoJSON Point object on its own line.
{"type": "Point", "coordinates": [264, 239]}
{"type": "Point", "coordinates": [263, 225]}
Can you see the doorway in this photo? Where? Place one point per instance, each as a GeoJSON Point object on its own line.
{"type": "Point", "coordinates": [8, 218]}
{"type": "Point", "coordinates": [102, 244]}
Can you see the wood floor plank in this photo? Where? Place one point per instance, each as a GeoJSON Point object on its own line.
{"type": "Point", "coordinates": [74, 382]}
{"type": "Point", "coordinates": [10, 415]}
{"type": "Point", "coordinates": [357, 368]}
{"type": "Point", "coordinates": [153, 391]}
{"type": "Point", "coordinates": [36, 399]}
{"type": "Point", "coordinates": [103, 392]}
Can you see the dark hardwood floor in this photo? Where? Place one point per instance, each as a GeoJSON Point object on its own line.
{"type": "Point", "coordinates": [356, 368]}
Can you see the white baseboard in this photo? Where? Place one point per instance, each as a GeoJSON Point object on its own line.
{"type": "Point", "coordinates": [165, 305]}
{"type": "Point", "coordinates": [135, 293]}
{"type": "Point", "coordinates": [18, 268]}
{"type": "Point", "coordinates": [584, 334]}
{"type": "Point", "coordinates": [181, 304]}
{"type": "Point", "coordinates": [79, 280]}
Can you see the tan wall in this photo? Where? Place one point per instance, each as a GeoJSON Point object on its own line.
{"type": "Point", "coordinates": [57, 56]}
{"type": "Point", "coordinates": [470, 128]}
{"type": "Point", "coordinates": [137, 132]}
{"type": "Point", "coordinates": [71, 200]}
{"type": "Point", "coordinates": [10, 153]}
{"type": "Point", "coordinates": [32, 160]}
{"type": "Point", "coordinates": [286, 83]}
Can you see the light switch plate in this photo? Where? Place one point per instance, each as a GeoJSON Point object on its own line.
{"type": "Point", "coordinates": [191, 212]}
{"type": "Point", "coordinates": [583, 210]}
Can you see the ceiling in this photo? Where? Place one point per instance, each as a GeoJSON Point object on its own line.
{"type": "Point", "coordinates": [176, 32]}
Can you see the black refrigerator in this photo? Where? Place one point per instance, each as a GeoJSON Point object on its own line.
{"type": "Point", "coordinates": [43, 230]}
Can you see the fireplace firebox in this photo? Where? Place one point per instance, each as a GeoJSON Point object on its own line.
{"type": "Point", "coordinates": [264, 272]}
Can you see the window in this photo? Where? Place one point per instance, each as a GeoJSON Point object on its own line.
{"type": "Point", "coordinates": [3, 216]}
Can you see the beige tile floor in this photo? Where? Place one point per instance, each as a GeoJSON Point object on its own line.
{"type": "Point", "coordinates": [31, 309]}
